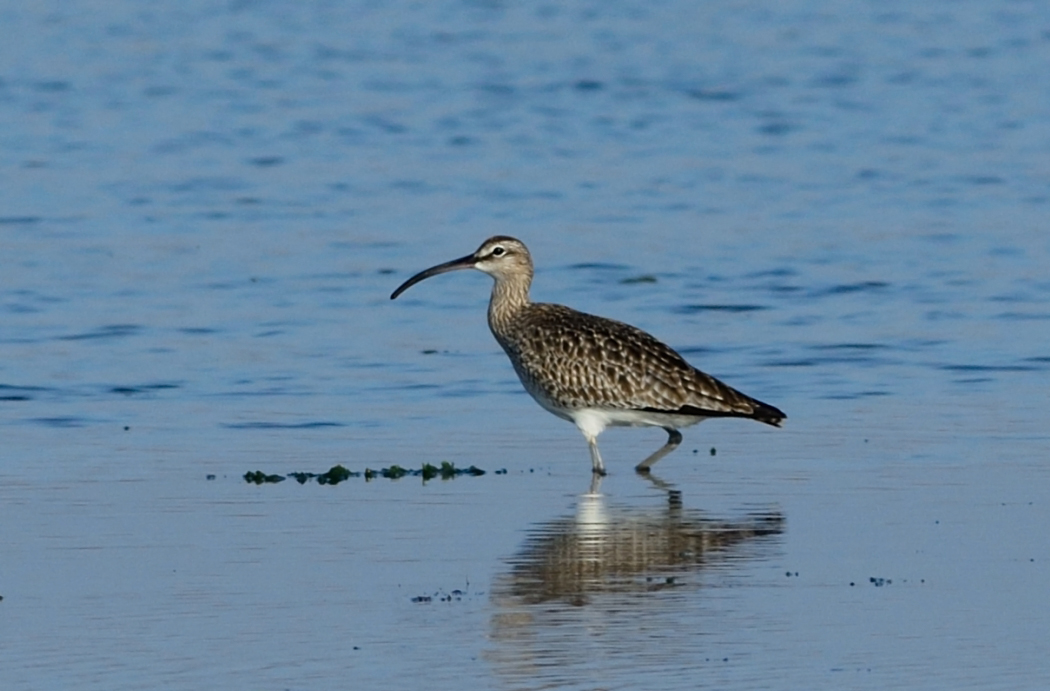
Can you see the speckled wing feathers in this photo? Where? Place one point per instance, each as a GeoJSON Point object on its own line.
{"type": "Point", "coordinates": [578, 360]}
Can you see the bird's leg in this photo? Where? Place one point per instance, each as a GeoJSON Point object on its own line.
{"type": "Point", "coordinates": [674, 438]}
{"type": "Point", "coordinates": [596, 484]}
{"type": "Point", "coordinates": [597, 467]}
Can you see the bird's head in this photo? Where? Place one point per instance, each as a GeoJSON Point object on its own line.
{"type": "Point", "coordinates": [502, 257]}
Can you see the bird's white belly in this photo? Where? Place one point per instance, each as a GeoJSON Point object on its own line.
{"type": "Point", "coordinates": [595, 420]}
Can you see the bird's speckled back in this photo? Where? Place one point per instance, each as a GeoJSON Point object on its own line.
{"type": "Point", "coordinates": [578, 360]}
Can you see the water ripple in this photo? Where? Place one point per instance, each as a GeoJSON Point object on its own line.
{"type": "Point", "coordinates": [732, 308]}
{"type": "Point", "coordinates": [106, 332]}
{"type": "Point", "coordinates": [282, 425]}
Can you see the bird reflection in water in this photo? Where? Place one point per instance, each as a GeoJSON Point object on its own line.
{"type": "Point", "coordinates": [592, 596]}
{"type": "Point", "coordinates": [606, 548]}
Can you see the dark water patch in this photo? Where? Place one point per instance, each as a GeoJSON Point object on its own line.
{"type": "Point", "coordinates": [412, 185]}
{"type": "Point", "coordinates": [918, 344]}
{"type": "Point", "coordinates": [698, 350]}
{"type": "Point", "coordinates": [281, 425]}
{"type": "Point", "coordinates": [944, 315]}
{"type": "Point", "coordinates": [20, 308]}
{"type": "Point", "coordinates": [1010, 298]}
{"type": "Point", "coordinates": [714, 95]}
{"type": "Point", "coordinates": [599, 266]}
{"type": "Point", "coordinates": [266, 161]}
{"type": "Point", "coordinates": [776, 128]}
{"type": "Point", "coordinates": [416, 386]}
{"type": "Point", "coordinates": [188, 143]}
{"type": "Point", "coordinates": [386, 125]}
{"type": "Point", "coordinates": [303, 129]}
{"type": "Point", "coordinates": [52, 86]}
{"type": "Point", "coordinates": [39, 297]}
{"type": "Point", "coordinates": [988, 368]}
{"type": "Point", "coordinates": [848, 288]}
{"type": "Point", "coordinates": [854, 396]}
{"type": "Point", "coordinates": [325, 53]}
{"type": "Point", "coordinates": [801, 362]}
{"type": "Point", "coordinates": [105, 332]}
{"type": "Point", "coordinates": [738, 308]}
{"type": "Point", "coordinates": [837, 79]}
{"type": "Point", "coordinates": [850, 346]}
{"type": "Point", "coordinates": [509, 194]}
{"type": "Point", "coordinates": [618, 219]}
{"type": "Point", "coordinates": [274, 390]}
{"type": "Point", "coordinates": [197, 330]}
{"type": "Point", "coordinates": [10, 392]}
{"type": "Point", "coordinates": [143, 389]}
{"type": "Point", "coordinates": [231, 285]}
{"type": "Point", "coordinates": [1007, 251]}
{"type": "Point", "coordinates": [60, 422]}
{"type": "Point", "coordinates": [784, 289]}
{"type": "Point", "coordinates": [644, 278]}
{"type": "Point", "coordinates": [943, 238]}
{"type": "Point", "coordinates": [348, 244]}
{"type": "Point", "coordinates": [203, 185]}
{"type": "Point", "coordinates": [19, 220]}
{"type": "Point", "coordinates": [851, 353]}
{"type": "Point", "coordinates": [475, 389]}
{"type": "Point", "coordinates": [1022, 316]}
{"type": "Point", "coordinates": [494, 89]}
{"type": "Point", "coordinates": [782, 272]}
{"type": "Point", "coordinates": [159, 91]}
{"type": "Point", "coordinates": [982, 180]}
{"type": "Point", "coordinates": [588, 85]}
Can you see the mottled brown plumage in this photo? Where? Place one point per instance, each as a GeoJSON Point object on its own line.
{"type": "Point", "coordinates": [590, 370]}
{"type": "Point", "coordinates": [580, 361]}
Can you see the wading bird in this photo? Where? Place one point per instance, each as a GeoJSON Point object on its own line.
{"type": "Point", "coordinates": [592, 371]}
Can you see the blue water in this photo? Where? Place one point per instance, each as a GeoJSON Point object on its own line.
{"type": "Point", "coordinates": [837, 207]}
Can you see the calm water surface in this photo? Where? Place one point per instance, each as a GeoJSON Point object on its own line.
{"type": "Point", "coordinates": [838, 207]}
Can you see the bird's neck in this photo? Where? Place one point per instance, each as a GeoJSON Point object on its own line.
{"type": "Point", "coordinates": [509, 297]}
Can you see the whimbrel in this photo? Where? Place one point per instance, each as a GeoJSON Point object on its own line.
{"type": "Point", "coordinates": [592, 371]}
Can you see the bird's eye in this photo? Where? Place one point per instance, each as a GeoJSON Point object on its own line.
{"type": "Point", "coordinates": [498, 251]}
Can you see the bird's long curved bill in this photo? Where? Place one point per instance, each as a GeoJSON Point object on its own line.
{"type": "Point", "coordinates": [466, 262]}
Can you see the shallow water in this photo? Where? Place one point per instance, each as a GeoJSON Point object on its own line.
{"type": "Point", "coordinates": [837, 208]}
